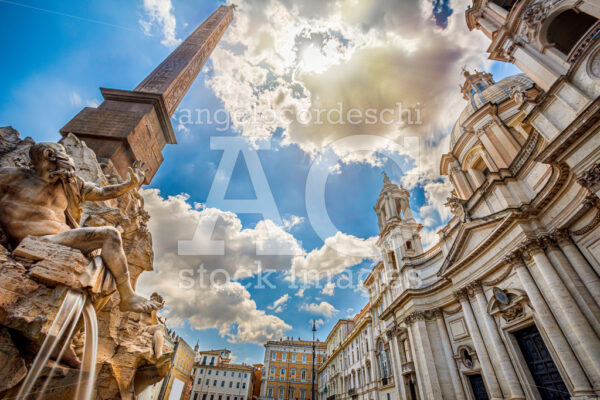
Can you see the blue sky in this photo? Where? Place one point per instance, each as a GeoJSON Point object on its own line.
{"type": "Point", "coordinates": [57, 55]}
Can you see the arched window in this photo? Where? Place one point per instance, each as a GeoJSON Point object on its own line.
{"type": "Point", "coordinates": [567, 28]}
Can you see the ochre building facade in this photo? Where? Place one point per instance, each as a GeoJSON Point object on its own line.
{"type": "Point", "coordinates": [287, 370]}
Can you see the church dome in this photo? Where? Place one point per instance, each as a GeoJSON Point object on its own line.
{"type": "Point", "coordinates": [480, 89]}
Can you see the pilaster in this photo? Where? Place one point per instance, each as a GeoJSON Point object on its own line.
{"type": "Point", "coordinates": [487, 369]}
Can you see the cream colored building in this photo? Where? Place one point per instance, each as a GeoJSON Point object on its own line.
{"type": "Point", "coordinates": [215, 377]}
{"type": "Point", "coordinates": [507, 304]}
{"type": "Point", "coordinates": [348, 371]}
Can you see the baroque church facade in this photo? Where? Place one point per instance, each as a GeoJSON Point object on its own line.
{"type": "Point", "coordinates": [507, 304]}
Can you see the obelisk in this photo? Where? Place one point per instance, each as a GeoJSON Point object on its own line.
{"type": "Point", "coordinates": [135, 125]}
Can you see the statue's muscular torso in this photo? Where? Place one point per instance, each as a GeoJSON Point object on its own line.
{"type": "Point", "coordinates": [30, 205]}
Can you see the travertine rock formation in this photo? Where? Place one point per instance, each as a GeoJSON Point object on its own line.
{"type": "Point", "coordinates": [34, 278]}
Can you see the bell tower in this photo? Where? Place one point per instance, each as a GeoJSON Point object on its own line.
{"type": "Point", "coordinates": [135, 124]}
{"type": "Point", "coordinates": [398, 231]}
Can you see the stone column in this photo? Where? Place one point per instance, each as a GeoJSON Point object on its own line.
{"type": "Point", "coordinates": [431, 389]}
{"type": "Point", "coordinates": [577, 329]}
{"type": "Point", "coordinates": [500, 355]}
{"type": "Point", "coordinates": [484, 359]}
{"type": "Point", "coordinates": [449, 354]}
{"type": "Point", "coordinates": [588, 275]}
{"type": "Point", "coordinates": [397, 368]}
{"type": "Point", "coordinates": [416, 359]}
{"type": "Point", "coordinates": [574, 283]}
{"type": "Point", "coordinates": [544, 317]}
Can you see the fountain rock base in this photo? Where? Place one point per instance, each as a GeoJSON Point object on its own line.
{"type": "Point", "coordinates": [36, 277]}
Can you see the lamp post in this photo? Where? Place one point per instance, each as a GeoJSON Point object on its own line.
{"type": "Point", "coordinates": [314, 329]}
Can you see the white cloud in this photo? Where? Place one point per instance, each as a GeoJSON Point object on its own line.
{"type": "Point", "coordinates": [291, 222]}
{"type": "Point", "coordinates": [279, 304]}
{"type": "Point", "coordinates": [324, 309]}
{"type": "Point", "coordinates": [318, 323]}
{"type": "Point", "coordinates": [75, 99]}
{"type": "Point", "coordinates": [160, 12]}
{"type": "Point", "coordinates": [326, 261]}
{"type": "Point", "coordinates": [286, 56]}
{"type": "Point", "coordinates": [300, 292]}
{"type": "Point", "coordinates": [328, 289]}
{"type": "Point", "coordinates": [227, 307]}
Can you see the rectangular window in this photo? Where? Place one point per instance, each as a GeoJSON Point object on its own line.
{"type": "Point", "coordinates": [232, 374]}
{"type": "Point", "coordinates": [201, 370]}
{"type": "Point", "coordinates": [215, 382]}
{"type": "Point", "coordinates": [237, 385]}
{"type": "Point", "coordinates": [283, 355]}
{"type": "Point", "coordinates": [245, 375]}
{"type": "Point", "coordinates": [282, 372]}
{"type": "Point", "coordinates": [199, 381]}
{"type": "Point", "coordinates": [230, 383]}
{"type": "Point", "coordinates": [270, 392]}
{"type": "Point", "coordinates": [212, 396]}
{"type": "Point", "coordinates": [273, 355]}
{"type": "Point", "coordinates": [204, 361]}
{"type": "Point", "coordinates": [204, 396]}
{"type": "Point", "coordinates": [217, 373]}
{"type": "Point", "coordinates": [272, 370]}
{"type": "Point", "coordinates": [239, 374]}
{"type": "Point", "coordinates": [210, 371]}
{"type": "Point", "coordinates": [222, 383]}
{"type": "Point", "coordinates": [244, 385]}
{"type": "Point", "coordinates": [294, 357]}
{"type": "Point", "coordinates": [304, 357]}
{"type": "Point", "coordinates": [208, 381]}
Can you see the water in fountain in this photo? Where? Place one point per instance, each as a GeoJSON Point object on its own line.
{"type": "Point", "coordinates": [74, 306]}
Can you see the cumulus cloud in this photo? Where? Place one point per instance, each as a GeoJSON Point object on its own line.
{"type": "Point", "coordinates": [327, 262]}
{"type": "Point", "coordinates": [291, 222]}
{"type": "Point", "coordinates": [159, 14]}
{"type": "Point", "coordinates": [323, 308]}
{"type": "Point", "coordinates": [174, 219]}
{"type": "Point", "coordinates": [328, 289]}
{"type": "Point", "coordinates": [279, 304]}
{"type": "Point", "coordinates": [211, 282]}
{"type": "Point", "coordinates": [226, 306]}
{"type": "Point", "coordinates": [281, 57]}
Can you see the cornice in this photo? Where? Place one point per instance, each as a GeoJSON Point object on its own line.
{"type": "Point", "coordinates": [401, 300]}
{"type": "Point", "coordinates": [583, 125]}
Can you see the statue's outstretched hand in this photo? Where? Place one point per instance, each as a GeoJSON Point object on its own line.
{"type": "Point", "coordinates": [137, 173]}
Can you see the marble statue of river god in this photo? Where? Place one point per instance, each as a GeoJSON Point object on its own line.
{"type": "Point", "coordinates": [45, 199]}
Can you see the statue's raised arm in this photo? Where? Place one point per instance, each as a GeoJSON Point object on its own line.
{"type": "Point", "coordinates": [135, 178]}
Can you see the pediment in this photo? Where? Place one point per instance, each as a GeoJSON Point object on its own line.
{"type": "Point", "coordinates": [473, 237]}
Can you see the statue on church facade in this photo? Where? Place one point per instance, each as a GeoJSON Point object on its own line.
{"type": "Point", "coordinates": [44, 201]}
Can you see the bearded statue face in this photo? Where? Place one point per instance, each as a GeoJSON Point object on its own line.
{"type": "Point", "coordinates": [51, 157]}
